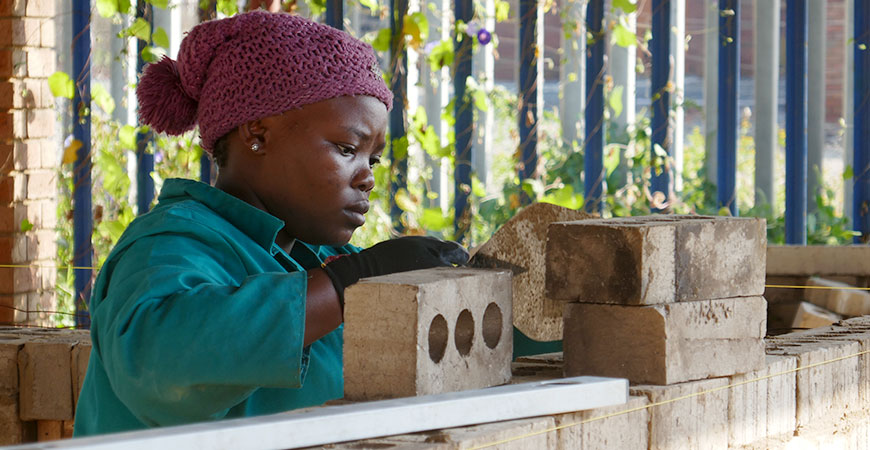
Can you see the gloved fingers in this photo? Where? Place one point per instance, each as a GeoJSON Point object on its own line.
{"type": "Point", "coordinates": [453, 253]}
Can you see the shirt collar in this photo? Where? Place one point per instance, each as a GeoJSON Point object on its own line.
{"type": "Point", "coordinates": [261, 226]}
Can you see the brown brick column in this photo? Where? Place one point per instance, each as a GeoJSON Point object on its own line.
{"type": "Point", "coordinates": [28, 161]}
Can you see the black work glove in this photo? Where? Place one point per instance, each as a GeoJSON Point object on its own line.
{"type": "Point", "coordinates": [396, 255]}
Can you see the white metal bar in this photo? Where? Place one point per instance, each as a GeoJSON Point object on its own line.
{"type": "Point", "coordinates": [849, 106]}
{"type": "Point", "coordinates": [816, 68]}
{"type": "Point", "coordinates": [678, 55]}
{"type": "Point", "coordinates": [372, 419]}
{"type": "Point", "coordinates": [767, 30]}
{"type": "Point", "coordinates": [572, 73]}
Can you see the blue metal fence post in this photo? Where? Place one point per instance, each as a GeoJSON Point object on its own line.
{"type": "Point", "coordinates": [861, 139]}
{"type": "Point", "coordinates": [207, 11]}
{"type": "Point", "coordinates": [144, 160]}
{"type": "Point", "coordinates": [83, 224]}
{"type": "Point", "coordinates": [593, 157]}
{"type": "Point", "coordinates": [528, 90]}
{"type": "Point", "coordinates": [660, 47]}
{"type": "Point", "coordinates": [463, 126]}
{"type": "Point", "coordinates": [335, 14]}
{"type": "Point", "coordinates": [729, 83]}
{"type": "Point", "coordinates": [796, 24]}
{"type": "Point", "coordinates": [398, 84]}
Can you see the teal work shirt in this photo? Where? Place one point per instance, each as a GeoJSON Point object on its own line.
{"type": "Point", "coordinates": [197, 314]}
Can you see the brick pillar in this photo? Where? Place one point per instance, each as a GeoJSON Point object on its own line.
{"type": "Point", "coordinates": [28, 161]}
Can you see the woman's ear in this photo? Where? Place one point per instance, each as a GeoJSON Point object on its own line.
{"type": "Point", "coordinates": [253, 136]}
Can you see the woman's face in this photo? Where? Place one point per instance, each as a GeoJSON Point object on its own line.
{"type": "Point", "coordinates": [315, 172]}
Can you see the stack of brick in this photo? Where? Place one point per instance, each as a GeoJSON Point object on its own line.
{"type": "Point", "coordinates": [836, 279]}
{"type": "Point", "coordinates": [41, 374]}
{"type": "Point", "coordinates": [672, 303]}
{"type": "Point", "coordinates": [29, 159]}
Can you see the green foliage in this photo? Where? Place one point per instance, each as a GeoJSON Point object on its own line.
{"type": "Point", "coordinates": [61, 85]}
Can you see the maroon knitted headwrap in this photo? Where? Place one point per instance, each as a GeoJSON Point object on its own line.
{"type": "Point", "coordinates": [250, 66]}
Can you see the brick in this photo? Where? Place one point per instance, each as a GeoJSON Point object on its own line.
{"type": "Point", "coordinates": [21, 242]}
{"type": "Point", "coordinates": [12, 7]}
{"type": "Point", "coordinates": [818, 260]}
{"type": "Point", "coordinates": [665, 344]}
{"type": "Point", "coordinates": [10, 345]}
{"type": "Point", "coordinates": [842, 299]}
{"type": "Point", "coordinates": [521, 243]}
{"type": "Point", "coordinates": [80, 355]}
{"type": "Point", "coordinates": [760, 407]}
{"type": "Point", "coordinates": [49, 213]}
{"type": "Point", "coordinates": [619, 431]}
{"type": "Point", "coordinates": [6, 30]}
{"type": "Point", "coordinates": [11, 427]}
{"type": "Point", "coordinates": [6, 129]}
{"type": "Point", "coordinates": [47, 31]}
{"type": "Point", "coordinates": [632, 261]}
{"type": "Point", "coordinates": [40, 123]}
{"type": "Point", "coordinates": [41, 185]}
{"type": "Point", "coordinates": [46, 388]}
{"type": "Point", "coordinates": [695, 415]}
{"type": "Point", "coordinates": [719, 257]}
{"type": "Point", "coordinates": [518, 434]}
{"type": "Point", "coordinates": [25, 32]}
{"type": "Point", "coordinates": [46, 243]}
{"type": "Point", "coordinates": [7, 187]}
{"type": "Point", "coordinates": [41, 62]}
{"type": "Point", "coordinates": [20, 187]}
{"type": "Point", "coordinates": [611, 261]}
{"type": "Point", "coordinates": [19, 123]}
{"type": "Point", "coordinates": [809, 315]}
{"type": "Point", "coordinates": [7, 307]}
{"type": "Point", "coordinates": [49, 430]}
{"type": "Point", "coordinates": [6, 247]}
{"type": "Point", "coordinates": [7, 100]}
{"type": "Point", "coordinates": [824, 392]}
{"type": "Point", "coordinates": [427, 332]}
{"type": "Point", "coordinates": [50, 154]}
{"type": "Point", "coordinates": [40, 8]}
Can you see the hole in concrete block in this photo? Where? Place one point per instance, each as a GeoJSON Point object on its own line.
{"type": "Point", "coordinates": [437, 338]}
{"type": "Point", "coordinates": [463, 335]}
{"type": "Point", "coordinates": [492, 320]}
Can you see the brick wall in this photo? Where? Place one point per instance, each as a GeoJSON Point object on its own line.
{"type": "Point", "coordinates": [28, 160]}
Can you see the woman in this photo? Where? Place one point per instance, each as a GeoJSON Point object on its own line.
{"type": "Point", "coordinates": [227, 301]}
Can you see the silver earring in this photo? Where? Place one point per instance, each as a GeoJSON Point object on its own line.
{"type": "Point", "coordinates": [255, 147]}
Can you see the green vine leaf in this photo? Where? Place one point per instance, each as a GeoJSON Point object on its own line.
{"type": "Point", "coordinates": [127, 136]}
{"type": "Point", "coordinates": [502, 10]}
{"type": "Point", "coordinates": [623, 36]}
{"type": "Point", "coordinates": [382, 40]}
{"type": "Point", "coordinates": [26, 225]}
{"type": "Point", "coordinates": [61, 85]}
{"type": "Point", "coordinates": [627, 6]}
{"type": "Point", "coordinates": [140, 29]}
{"type": "Point", "coordinates": [372, 5]}
{"type": "Point", "coordinates": [227, 7]}
{"type": "Point", "coordinates": [163, 4]}
{"type": "Point", "coordinates": [161, 39]}
{"type": "Point", "coordinates": [107, 8]}
{"type": "Point", "coordinates": [102, 98]}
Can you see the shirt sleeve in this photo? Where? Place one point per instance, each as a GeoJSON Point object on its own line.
{"type": "Point", "coordinates": [185, 334]}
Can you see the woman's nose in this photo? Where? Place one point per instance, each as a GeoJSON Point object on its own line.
{"type": "Point", "coordinates": [365, 179]}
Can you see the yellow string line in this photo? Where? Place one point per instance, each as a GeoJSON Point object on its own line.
{"type": "Point", "coordinates": [39, 266]}
{"type": "Point", "coordinates": [664, 402]}
{"type": "Point", "coordinates": [817, 287]}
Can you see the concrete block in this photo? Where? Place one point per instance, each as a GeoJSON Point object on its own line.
{"type": "Point", "coordinates": [762, 403]}
{"type": "Point", "coordinates": [818, 260]}
{"type": "Point", "coordinates": [837, 297]}
{"type": "Point", "coordinates": [520, 245]}
{"type": "Point", "coordinates": [809, 315]}
{"type": "Point", "coordinates": [427, 332]}
{"type": "Point", "coordinates": [45, 381]}
{"type": "Point", "coordinates": [619, 427]}
{"type": "Point", "coordinates": [691, 415]}
{"type": "Point", "coordinates": [626, 262]}
{"type": "Point", "coordinates": [656, 259]}
{"type": "Point", "coordinates": [79, 357]}
{"type": "Point", "coordinates": [828, 387]}
{"type": "Point", "coordinates": [665, 344]}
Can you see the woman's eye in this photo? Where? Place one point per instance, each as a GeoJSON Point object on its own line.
{"type": "Point", "coordinates": [345, 150]}
{"type": "Point", "coordinates": [374, 161]}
